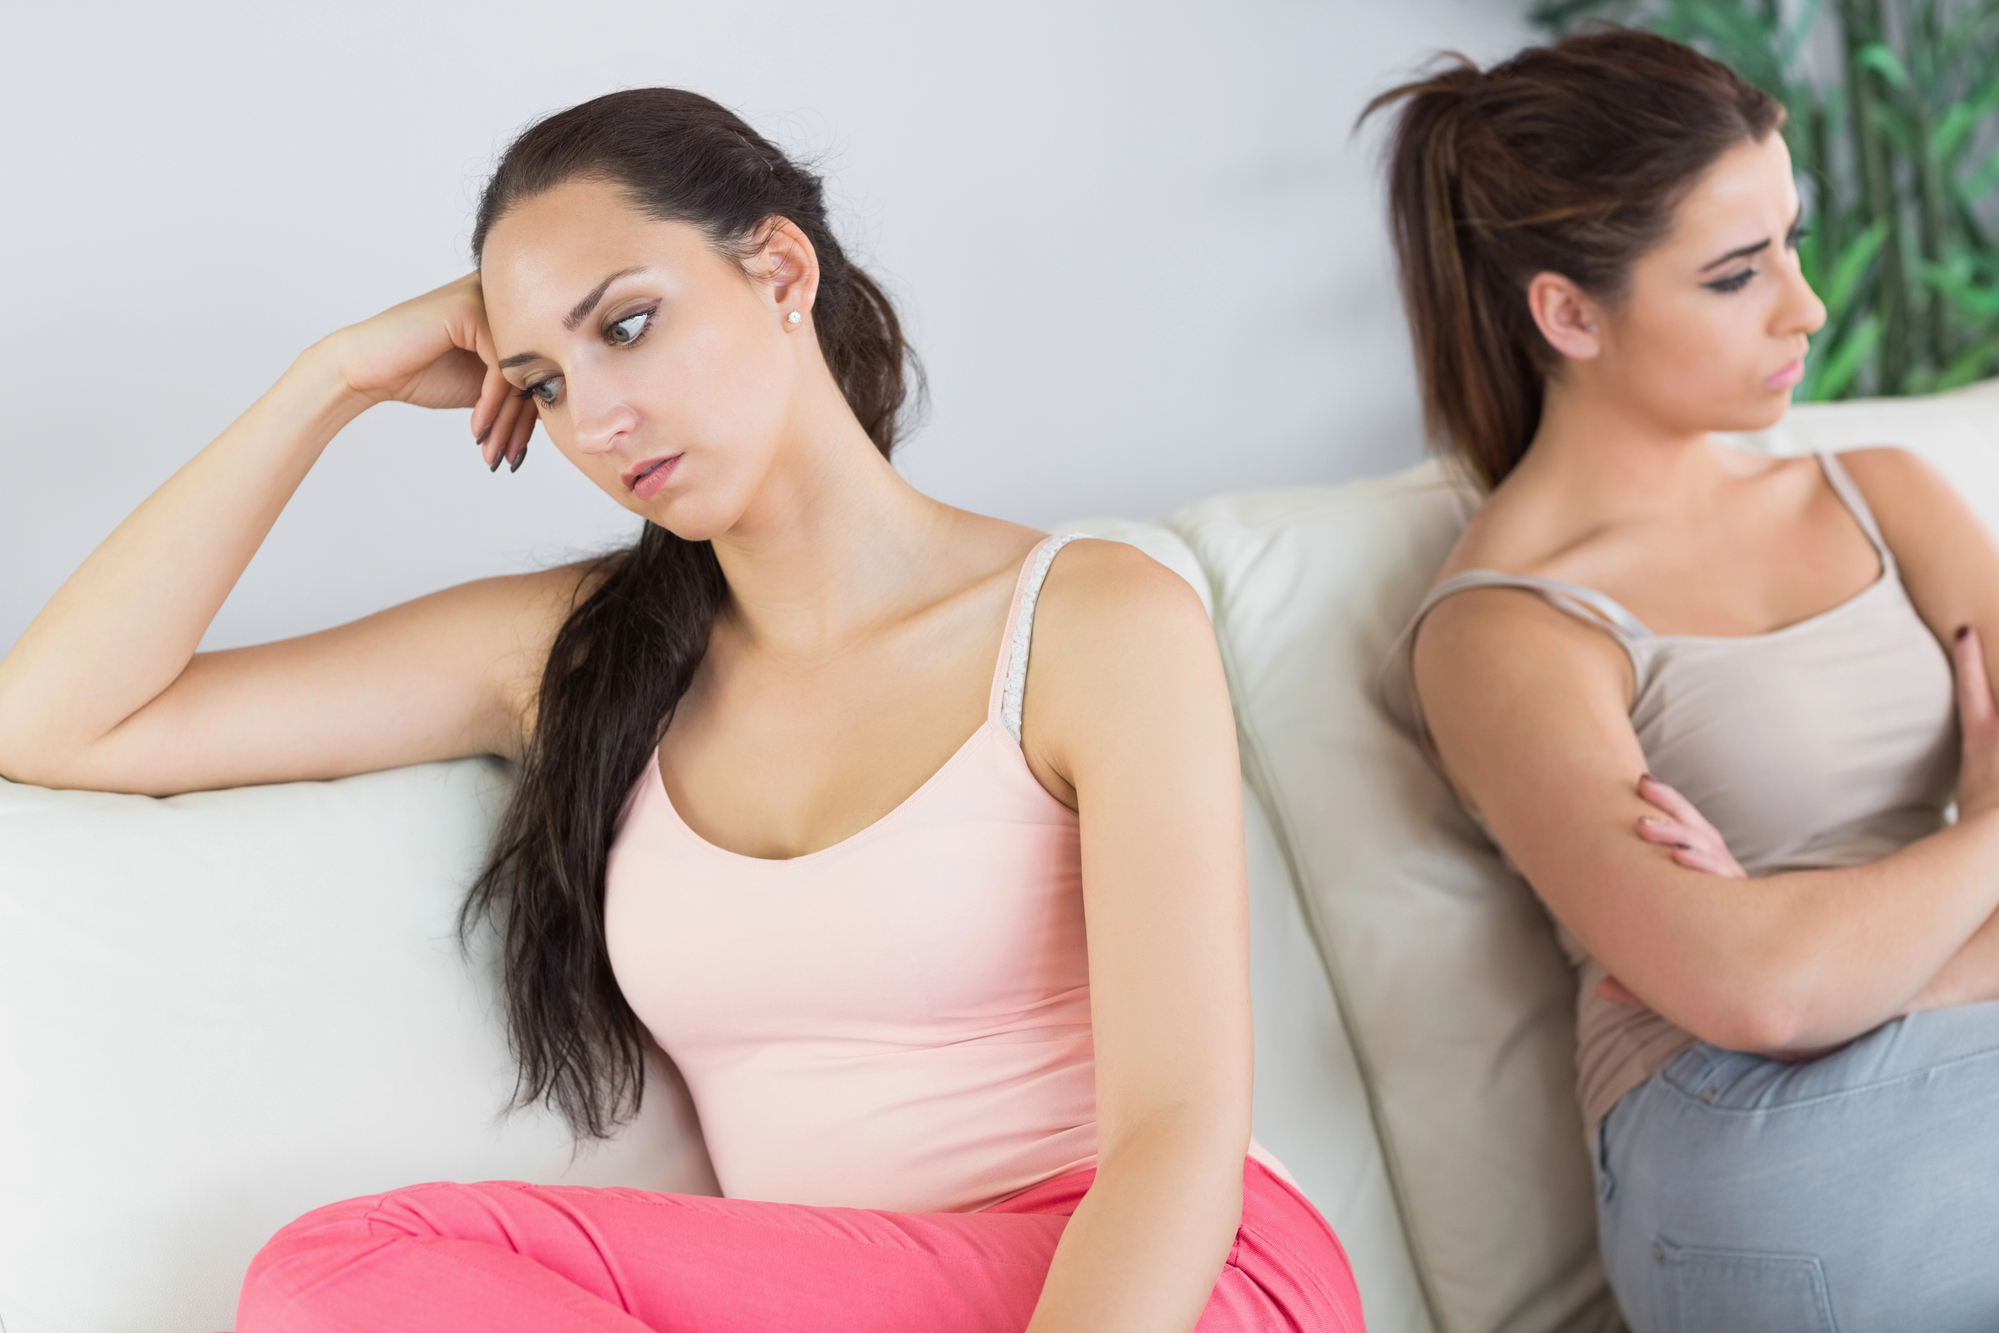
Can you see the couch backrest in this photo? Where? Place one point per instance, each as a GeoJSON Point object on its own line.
{"type": "Point", "coordinates": [218, 1011]}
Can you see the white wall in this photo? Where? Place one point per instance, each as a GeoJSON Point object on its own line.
{"type": "Point", "coordinates": [1136, 246]}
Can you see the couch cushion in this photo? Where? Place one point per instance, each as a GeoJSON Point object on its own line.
{"type": "Point", "coordinates": [1311, 1106]}
{"type": "Point", "coordinates": [1455, 997]}
{"type": "Point", "coordinates": [218, 1011]}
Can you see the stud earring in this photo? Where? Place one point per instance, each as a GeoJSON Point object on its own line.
{"type": "Point", "coordinates": [793, 317]}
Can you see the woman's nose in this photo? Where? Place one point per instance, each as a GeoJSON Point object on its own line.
{"type": "Point", "coordinates": [1803, 311]}
{"type": "Point", "coordinates": [600, 426]}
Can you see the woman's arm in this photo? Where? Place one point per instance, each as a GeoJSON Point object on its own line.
{"type": "Point", "coordinates": [105, 688]}
{"type": "Point", "coordinates": [1528, 708]}
{"type": "Point", "coordinates": [1950, 566]}
{"type": "Point", "coordinates": [1126, 703]}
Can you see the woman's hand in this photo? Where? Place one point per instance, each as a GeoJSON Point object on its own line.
{"type": "Point", "coordinates": [1973, 973]}
{"type": "Point", "coordinates": [1978, 725]}
{"type": "Point", "coordinates": [437, 351]}
{"type": "Point", "coordinates": [1695, 843]}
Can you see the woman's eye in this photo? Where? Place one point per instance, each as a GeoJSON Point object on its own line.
{"type": "Point", "coordinates": [544, 391]}
{"type": "Point", "coordinates": [628, 329]}
{"type": "Point", "coordinates": [1734, 282]}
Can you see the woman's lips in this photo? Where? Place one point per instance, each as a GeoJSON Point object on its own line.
{"type": "Point", "coordinates": [1788, 376]}
{"type": "Point", "coordinates": [647, 479]}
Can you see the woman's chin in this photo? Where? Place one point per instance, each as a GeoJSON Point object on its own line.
{"type": "Point", "coordinates": [1767, 409]}
{"type": "Point", "coordinates": [685, 517]}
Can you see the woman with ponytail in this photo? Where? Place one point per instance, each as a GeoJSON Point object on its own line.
{"type": "Point", "coordinates": [1712, 705]}
{"type": "Point", "coordinates": [948, 940]}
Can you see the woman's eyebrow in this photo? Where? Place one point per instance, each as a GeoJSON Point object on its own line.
{"type": "Point", "coordinates": [577, 314]}
{"type": "Point", "coordinates": [581, 310]}
{"type": "Point", "coordinates": [1740, 252]}
{"type": "Point", "coordinates": [1745, 251]}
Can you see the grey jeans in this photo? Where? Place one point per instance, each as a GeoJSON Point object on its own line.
{"type": "Point", "coordinates": [1855, 1192]}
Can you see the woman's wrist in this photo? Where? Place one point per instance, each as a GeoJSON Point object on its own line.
{"type": "Point", "coordinates": [318, 379]}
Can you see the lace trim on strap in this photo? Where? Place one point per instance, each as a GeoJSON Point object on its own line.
{"type": "Point", "coordinates": [1023, 631]}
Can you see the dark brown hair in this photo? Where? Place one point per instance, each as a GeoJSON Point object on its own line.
{"type": "Point", "coordinates": [626, 654]}
{"type": "Point", "coordinates": [1568, 159]}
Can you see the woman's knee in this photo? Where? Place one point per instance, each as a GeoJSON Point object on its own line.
{"type": "Point", "coordinates": [307, 1252]}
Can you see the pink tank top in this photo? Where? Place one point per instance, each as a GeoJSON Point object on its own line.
{"type": "Point", "coordinates": [898, 1021]}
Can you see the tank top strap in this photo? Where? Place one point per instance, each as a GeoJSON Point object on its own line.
{"type": "Point", "coordinates": [1583, 603]}
{"type": "Point", "coordinates": [1849, 495]}
{"type": "Point", "coordinates": [1396, 685]}
{"type": "Point", "coordinates": [1010, 673]}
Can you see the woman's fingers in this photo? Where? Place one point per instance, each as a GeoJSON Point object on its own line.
{"type": "Point", "coordinates": [1657, 793]}
{"type": "Point", "coordinates": [492, 397]}
{"type": "Point", "coordinates": [501, 439]}
{"type": "Point", "coordinates": [1610, 988]}
{"type": "Point", "coordinates": [1668, 832]}
{"type": "Point", "coordinates": [1703, 859]}
{"type": "Point", "coordinates": [1978, 767]}
{"type": "Point", "coordinates": [1974, 685]}
{"type": "Point", "coordinates": [523, 432]}
{"type": "Point", "coordinates": [1696, 844]}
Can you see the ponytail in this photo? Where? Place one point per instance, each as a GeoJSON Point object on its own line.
{"type": "Point", "coordinates": [1567, 159]}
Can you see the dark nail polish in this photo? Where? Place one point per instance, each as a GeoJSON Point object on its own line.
{"type": "Point", "coordinates": [496, 464]}
{"type": "Point", "coordinates": [480, 438]}
{"type": "Point", "coordinates": [514, 463]}
{"type": "Point", "coordinates": [1684, 846]}
{"type": "Point", "coordinates": [1962, 632]}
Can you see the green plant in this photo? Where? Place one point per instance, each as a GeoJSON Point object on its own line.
{"type": "Point", "coordinates": [1894, 127]}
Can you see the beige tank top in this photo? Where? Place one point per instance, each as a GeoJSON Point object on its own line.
{"type": "Point", "coordinates": [1829, 742]}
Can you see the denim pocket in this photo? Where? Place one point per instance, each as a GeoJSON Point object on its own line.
{"type": "Point", "coordinates": [1721, 1291]}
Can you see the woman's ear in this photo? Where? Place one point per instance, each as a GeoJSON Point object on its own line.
{"type": "Point", "coordinates": [789, 267]}
{"type": "Point", "coordinates": [1566, 315]}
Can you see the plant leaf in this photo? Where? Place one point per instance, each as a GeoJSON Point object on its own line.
{"type": "Point", "coordinates": [1878, 57]}
{"type": "Point", "coordinates": [1835, 375]}
{"type": "Point", "coordinates": [1971, 364]}
{"type": "Point", "coordinates": [1851, 265]}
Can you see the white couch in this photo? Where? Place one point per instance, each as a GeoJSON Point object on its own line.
{"type": "Point", "coordinates": [219, 1010]}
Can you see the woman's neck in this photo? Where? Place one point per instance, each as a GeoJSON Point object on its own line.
{"type": "Point", "coordinates": [834, 543]}
{"type": "Point", "coordinates": [1608, 458]}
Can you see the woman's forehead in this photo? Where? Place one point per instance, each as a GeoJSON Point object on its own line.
{"type": "Point", "coordinates": [551, 251]}
{"type": "Point", "coordinates": [1748, 190]}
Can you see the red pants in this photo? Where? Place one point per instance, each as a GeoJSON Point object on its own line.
{"type": "Point", "coordinates": [502, 1257]}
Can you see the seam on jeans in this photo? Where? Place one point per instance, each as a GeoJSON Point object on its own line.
{"type": "Point", "coordinates": [584, 1301]}
{"type": "Point", "coordinates": [1297, 1268]}
{"type": "Point", "coordinates": [1326, 1228]}
{"type": "Point", "coordinates": [1311, 1209]}
{"type": "Point", "coordinates": [1835, 1095]}
{"type": "Point", "coordinates": [671, 1201]}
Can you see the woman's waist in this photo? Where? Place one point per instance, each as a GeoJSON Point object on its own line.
{"type": "Point", "coordinates": [926, 1130]}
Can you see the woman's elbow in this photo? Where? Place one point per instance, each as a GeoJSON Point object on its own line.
{"type": "Point", "coordinates": [1761, 1028]}
{"type": "Point", "coordinates": [1781, 1011]}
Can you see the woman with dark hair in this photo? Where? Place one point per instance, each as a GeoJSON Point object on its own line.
{"type": "Point", "coordinates": [1712, 705]}
{"type": "Point", "coordinates": [948, 941]}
